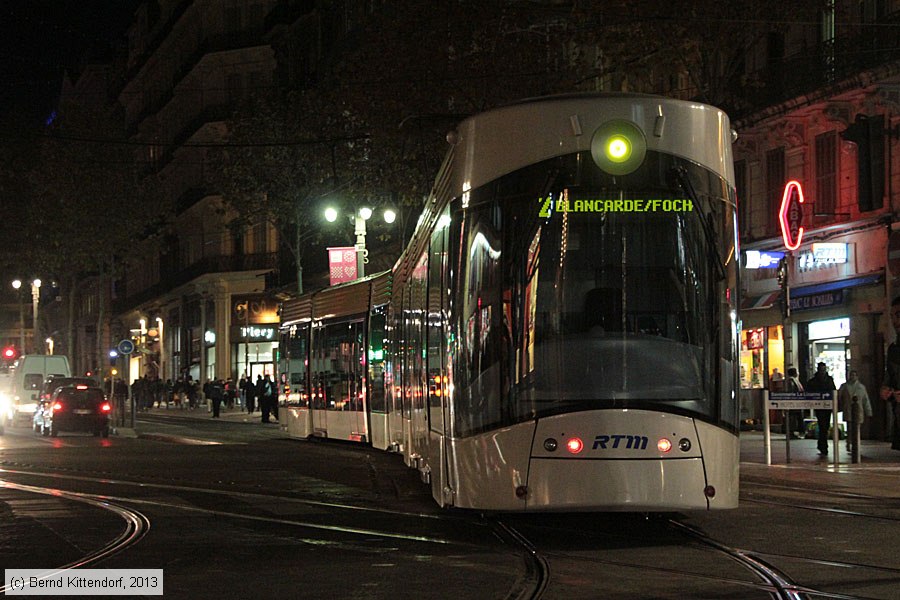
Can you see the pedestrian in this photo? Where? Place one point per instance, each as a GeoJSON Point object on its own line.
{"type": "Point", "coordinates": [776, 381]}
{"type": "Point", "coordinates": [822, 383]}
{"type": "Point", "coordinates": [266, 394]}
{"type": "Point", "coordinates": [249, 394]}
{"type": "Point", "coordinates": [795, 417]}
{"type": "Point", "coordinates": [259, 387]}
{"type": "Point", "coordinates": [890, 385]}
{"type": "Point", "coordinates": [853, 391]}
{"type": "Point", "coordinates": [229, 394]}
{"type": "Point", "coordinates": [217, 395]}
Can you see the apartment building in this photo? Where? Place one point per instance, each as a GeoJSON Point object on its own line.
{"type": "Point", "coordinates": [832, 97]}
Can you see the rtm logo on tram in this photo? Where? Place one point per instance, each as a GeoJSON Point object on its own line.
{"type": "Point", "coordinates": [632, 442]}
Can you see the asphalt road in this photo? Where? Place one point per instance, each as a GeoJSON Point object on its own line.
{"type": "Point", "coordinates": [234, 509]}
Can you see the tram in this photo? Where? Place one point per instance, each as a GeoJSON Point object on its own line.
{"type": "Point", "coordinates": [561, 332]}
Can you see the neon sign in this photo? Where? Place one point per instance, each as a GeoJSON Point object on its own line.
{"type": "Point", "coordinates": [791, 215]}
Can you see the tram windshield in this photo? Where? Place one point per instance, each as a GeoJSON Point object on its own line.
{"type": "Point", "coordinates": [613, 292]}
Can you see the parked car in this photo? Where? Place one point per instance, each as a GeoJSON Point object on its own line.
{"type": "Point", "coordinates": [77, 407]}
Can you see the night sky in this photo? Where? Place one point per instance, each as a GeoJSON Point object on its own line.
{"type": "Point", "coordinates": [40, 40]}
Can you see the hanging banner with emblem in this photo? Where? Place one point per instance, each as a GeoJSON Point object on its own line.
{"type": "Point", "coordinates": [342, 264]}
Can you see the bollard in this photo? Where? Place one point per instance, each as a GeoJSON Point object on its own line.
{"type": "Point", "coordinates": [855, 422]}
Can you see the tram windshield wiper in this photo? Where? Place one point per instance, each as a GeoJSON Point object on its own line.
{"type": "Point", "coordinates": [681, 174]}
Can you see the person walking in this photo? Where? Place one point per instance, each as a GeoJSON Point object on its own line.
{"type": "Point", "coordinates": [216, 395]}
{"type": "Point", "coordinates": [265, 399]}
{"type": "Point", "coordinates": [822, 383]}
{"type": "Point", "coordinates": [259, 387]}
{"type": "Point", "coordinates": [890, 385]}
{"type": "Point", "coordinates": [795, 417]}
{"type": "Point", "coordinates": [852, 391]}
{"type": "Point", "coordinates": [249, 395]}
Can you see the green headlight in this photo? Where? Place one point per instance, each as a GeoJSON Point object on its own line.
{"type": "Point", "coordinates": [618, 147]}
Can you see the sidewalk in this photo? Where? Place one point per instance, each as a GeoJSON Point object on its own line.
{"type": "Point", "coordinates": [201, 412]}
{"type": "Point", "coordinates": [877, 473]}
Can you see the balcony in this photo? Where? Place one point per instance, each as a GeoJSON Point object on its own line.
{"type": "Point", "coordinates": [827, 64]}
{"type": "Point", "coordinates": [205, 266]}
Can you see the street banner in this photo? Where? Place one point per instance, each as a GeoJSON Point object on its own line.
{"type": "Point", "coordinates": [342, 264]}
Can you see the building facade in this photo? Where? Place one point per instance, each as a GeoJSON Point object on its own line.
{"type": "Point", "coordinates": [835, 140]}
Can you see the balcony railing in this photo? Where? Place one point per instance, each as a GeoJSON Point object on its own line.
{"type": "Point", "coordinates": [828, 63]}
{"type": "Point", "coordinates": [205, 266]}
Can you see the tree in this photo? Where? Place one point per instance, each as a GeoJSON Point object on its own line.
{"type": "Point", "coordinates": [388, 91]}
{"type": "Point", "coordinates": [89, 203]}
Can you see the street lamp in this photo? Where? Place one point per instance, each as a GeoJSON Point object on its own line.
{"type": "Point", "coordinates": [162, 362]}
{"type": "Point", "coordinates": [18, 284]}
{"type": "Point", "coordinates": [35, 300]}
{"type": "Point", "coordinates": [362, 215]}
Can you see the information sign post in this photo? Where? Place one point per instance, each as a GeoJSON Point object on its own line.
{"type": "Point", "coordinates": [800, 401]}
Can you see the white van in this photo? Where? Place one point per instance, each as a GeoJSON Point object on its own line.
{"type": "Point", "coordinates": [27, 376]}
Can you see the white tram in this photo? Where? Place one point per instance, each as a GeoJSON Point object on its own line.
{"type": "Point", "coordinates": [561, 332]}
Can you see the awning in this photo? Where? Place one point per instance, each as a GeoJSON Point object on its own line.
{"type": "Point", "coordinates": [760, 302]}
{"type": "Point", "coordinates": [767, 299]}
{"type": "Point", "coordinates": [830, 286]}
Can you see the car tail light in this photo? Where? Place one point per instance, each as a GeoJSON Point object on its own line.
{"type": "Point", "coordinates": [57, 406]}
{"type": "Point", "coordinates": [81, 387]}
{"type": "Point", "coordinates": [105, 407]}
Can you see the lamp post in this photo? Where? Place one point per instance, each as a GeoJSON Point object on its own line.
{"type": "Point", "coordinates": [162, 346]}
{"type": "Point", "coordinates": [35, 300]}
{"type": "Point", "coordinates": [359, 219]}
{"type": "Point", "coordinates": [17, 284]}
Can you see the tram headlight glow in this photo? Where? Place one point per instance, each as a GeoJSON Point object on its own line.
{"type": "Point", "coordinates": [664, 445]}
{"type": "Point", "coordinates": [574, 445]}
{"type": "Point", "coordinates": [618, 147]}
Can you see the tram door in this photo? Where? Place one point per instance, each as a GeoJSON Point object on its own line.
{"type": "Point", "coordinates": [318, 379]}
{"type": "Point", "coordinates": [436, 356]}
{"type": "Point", "coordinates": [414, 367]}
{"type": "Point", "coordinates": [394, 376]}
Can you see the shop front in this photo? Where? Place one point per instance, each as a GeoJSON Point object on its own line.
{"type": "Point", "coordinates": [837, 295]}
{"type": "Point", "coordinates": [254, 337]}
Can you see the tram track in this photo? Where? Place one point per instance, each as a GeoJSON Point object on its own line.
{"type": "Point", "coordinates": [536, 579]}
{"type": "Point", "coordinates": [137, 525]}
{"type": "Point", "coordinates": [335, 535]}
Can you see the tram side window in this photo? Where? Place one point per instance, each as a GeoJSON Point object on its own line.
{"type": "Point", "coordinates": [479, 370]}
{"type": "Point", "coordinates": [342, 375]}
{"type": "Point", "coordinates": [296, 345]}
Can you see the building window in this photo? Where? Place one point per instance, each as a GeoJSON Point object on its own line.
{"type": "Point", "coordinates": [775, 180]}
{"type": "Point", "coordinates": [826, 174]}
{"type": "Point", "coordinates": [260, 231]}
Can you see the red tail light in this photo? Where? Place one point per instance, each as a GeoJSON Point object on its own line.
{"type": "Point", "coordinates": [574, 445]}
{"type": "Point", "coordinates": [106, 407]}
{"type": "Point", "coordinates": [57, 406]}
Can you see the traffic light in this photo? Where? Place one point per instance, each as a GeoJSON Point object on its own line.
{"type": "Point", "coordinates": [868, 135]}
{"type": "Point", "coordinates": [10, 353]}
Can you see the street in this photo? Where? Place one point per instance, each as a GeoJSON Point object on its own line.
{"type": "Point", "coordinates": [234, 508]}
